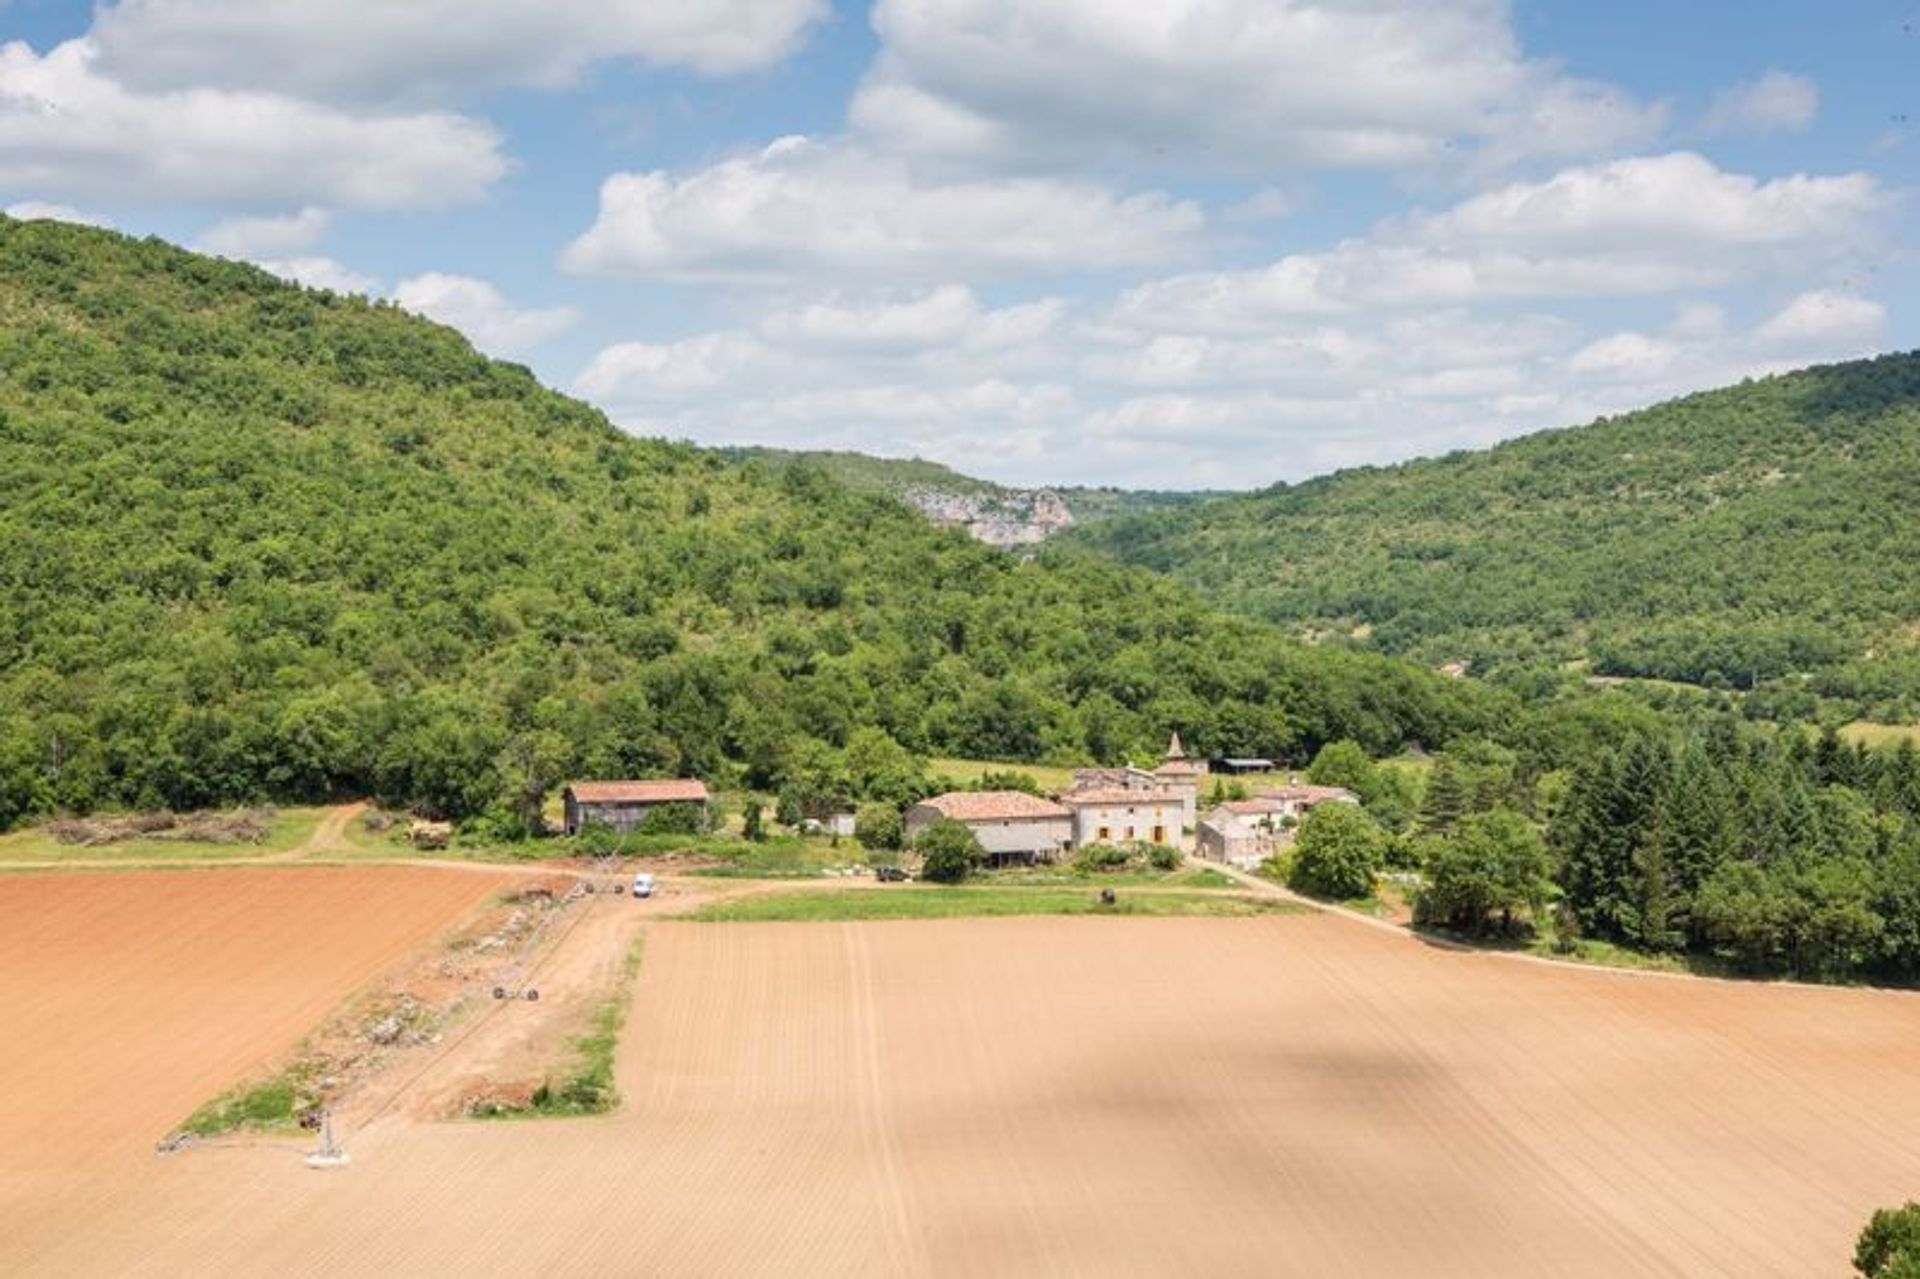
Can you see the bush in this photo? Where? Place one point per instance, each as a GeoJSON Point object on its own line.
{"type": "Point", "coordinates": [1161, 857]}
{"type": "Point", "coordinates": [948, 851]}
{"type": "Point", "coordinates": [674, 819]}
{"type": "Point", "coordinates": [877, 825]}
{"type": "Point", "coordinates": [597, 839]}
{"type": "Point", "coordinates": [1098, 857]}
{"type": "Point", "coordinates": [1339, 851]}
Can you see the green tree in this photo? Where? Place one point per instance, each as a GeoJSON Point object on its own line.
{"type": "Point", "coordinates": [876, 824]}
{"type": "Point", "coordinates": [753, 823]}
{"type": "Point", "coordinates": [1889, 1244]}
{"type": "Point", "coordinates": [530, 766]}
{"type": "Point", "coordinates": [1497, 866]}
{"type": "Point", "coordinates": [1447, 797]}
{"type": "Point", "coordinates": [1343, 763]}
{"type": "Point", "coordinates": [949, 851]}
{"type": "Point", "coordinates": [1338, 852]}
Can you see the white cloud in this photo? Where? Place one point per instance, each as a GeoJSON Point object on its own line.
{"type": "Point", "coordinates": [947, 316]}
{"type": "Point", "coordinates": [1680, 199]}
{"type": "Point", "coordinates": [41, 211]}
{"type": "Point", "coordinates": [479, 310]}
{"type": "Point", "coordinates": [432, 50]}
{"type": "Point", "coordinates": [250, 237]}
{"type": "Point", "coordinates": [66, 129]}
{"type": "Point", "coordinates": [1822, 320]}
{"type": "Point", "coordinates": [1777, 102]}
{"type": "Point", "coordinates": [1269, 204]}
{"type": "Point", "coordinates": [799, 207]}
{"type": "Point", "coordinates": [1240, 85]}
{"type": "Point", "coordinates": [1625, 355]}
{"type": "Point", "coordinates": [320, 273]}
{"type": "Point", "coordinates": [1645, 225]}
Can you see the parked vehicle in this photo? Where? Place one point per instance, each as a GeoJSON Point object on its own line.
{"type": "Point", "coordinates": [891, 875]}
{"type": "Point", "coordinates": [643, 885]}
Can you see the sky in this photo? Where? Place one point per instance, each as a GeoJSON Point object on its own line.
{"type": "Point", "coordinates": [1168, 244]}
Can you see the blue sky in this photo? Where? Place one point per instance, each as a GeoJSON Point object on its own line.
{"type": "Point", "coordinates": [1177, 243]}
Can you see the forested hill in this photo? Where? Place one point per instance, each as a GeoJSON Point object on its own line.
{"type": "Point", "coordinates": [1763, 532]}
{"type": "Point", "coordinates": [257, 541]}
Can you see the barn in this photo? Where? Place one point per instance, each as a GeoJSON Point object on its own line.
{"type": "Point", "coordinates": [622, 805]}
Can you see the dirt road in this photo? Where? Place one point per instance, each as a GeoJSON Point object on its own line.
{"type": "Point", "coordinates": [1288, 1095]}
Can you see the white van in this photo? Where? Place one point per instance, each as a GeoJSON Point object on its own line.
{"type": "Point", "coordinates": [643, 885]}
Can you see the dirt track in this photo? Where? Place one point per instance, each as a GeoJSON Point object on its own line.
{"type": "Point", "coordinates": [1289, 1095]}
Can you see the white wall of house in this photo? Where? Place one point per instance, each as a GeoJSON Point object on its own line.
{"type": "Point", "coordinates": [1150, 819]}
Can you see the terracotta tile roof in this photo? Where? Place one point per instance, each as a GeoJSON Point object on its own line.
{"type": "Point", "coordinates": [678, 791]}
{"type": "Point", "coordinates": [993, 806]}
{"type": "Point", "coordinates": [1253, 807]}
{"type": "Point", "coordinates": [1117, 795]}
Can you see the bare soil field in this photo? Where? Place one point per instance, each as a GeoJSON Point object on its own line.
{"type": "Point", "coordinates": [1284, 1095]}
{"type": "Point", "coordinates": [128, 999]}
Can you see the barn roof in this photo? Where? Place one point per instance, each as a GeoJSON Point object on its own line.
{"type": "Point", "coordinates": [993, 806]}
{"type": "Point", "coordinates": [685, 790]}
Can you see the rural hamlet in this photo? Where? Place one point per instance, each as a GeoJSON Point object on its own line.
{"type": "Point", "coordinates": [1124, 806]}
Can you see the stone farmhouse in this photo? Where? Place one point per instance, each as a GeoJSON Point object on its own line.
{"type": "Point", "coordinates": [622, 805]}
{"type": "Point", "coordinates": [1103, 806]}
{"type": "Point", "coordinates": [1119, 815]}
{"type": "Point", "coordinates": [1245, 832]}
{"type": "Point", "coordinates": [1012, 826]}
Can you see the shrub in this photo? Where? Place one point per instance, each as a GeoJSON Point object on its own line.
{"type": "Point", "coordinates": [877, 825]}
{"type": "Point", "coordinates": [674, 819]}
{"type": "Point", "coordinates": [1161, 857]}
{"type": "Point", "coordinates": [1097, 857]}
{"type": "Point", "coordinates": [948, 851]}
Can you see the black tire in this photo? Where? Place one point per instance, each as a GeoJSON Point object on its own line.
{"type": "Point", "coordinates": [499, 992]}
{"type": "Point", "coordinates": [532, 996]}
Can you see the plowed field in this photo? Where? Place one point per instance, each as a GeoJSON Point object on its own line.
{"type": "Point", "coordinates": [1293, 1095]}
{"type": "Point", "coordinates": [128, 999]}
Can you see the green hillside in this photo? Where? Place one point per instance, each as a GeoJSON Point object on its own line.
{"type": "Point", "coordinates": [1748, 536]}
{"type": "Point", "coordinates": [257, 541]}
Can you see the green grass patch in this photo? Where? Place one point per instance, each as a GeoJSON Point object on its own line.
{"type": "Point", "coordinates": [783, 857]}
{"type": "Point", "coordinates": [274, 1104]}
{"type": "Point", "coordinates": [1067, 877]}
{"type": "Point", "coordinates": [965, 772]}
{"type": "Point", "coordinates": [1879, 735]}
{"type": "Point", "coordinates": [918, 901]}
{"type": "Point", "coordinates": [588, 1088]}
{"type": "Point", "coordinates": [290, 827]}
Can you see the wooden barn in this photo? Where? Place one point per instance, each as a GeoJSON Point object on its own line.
{"type": "Point", "coordinates": [622, 805]}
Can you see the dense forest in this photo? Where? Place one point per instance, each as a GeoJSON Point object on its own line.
{"type": "Point", "coordinates": [264, 542]}
{"type": "Point", "coordinates": [1764, 535]}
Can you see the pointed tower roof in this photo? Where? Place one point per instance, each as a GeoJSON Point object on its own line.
{"type": "Point", "coordinates": [1174, 749]}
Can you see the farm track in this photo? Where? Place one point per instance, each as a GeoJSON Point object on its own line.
{"type": "Point", "coordinates": [1279, 1095]}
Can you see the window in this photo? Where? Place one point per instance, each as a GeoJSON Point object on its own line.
{"type": "Point", "coordinates": [1104, 834]}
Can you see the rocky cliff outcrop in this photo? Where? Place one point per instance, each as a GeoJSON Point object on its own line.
{"type": "Point", "coordinates": [1010, 518]}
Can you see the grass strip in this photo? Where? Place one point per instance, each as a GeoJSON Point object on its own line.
{"type": "Point", "coordinates": [915, 901]}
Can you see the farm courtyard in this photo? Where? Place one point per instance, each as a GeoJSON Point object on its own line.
{"type": "Point", "coordinates": [1284, 1094]}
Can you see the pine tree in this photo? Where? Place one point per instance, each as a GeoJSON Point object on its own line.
{"type": "Point", "coordinates": [1655, 912]}
{"type": "Point", "coordinates": [1446, 800]}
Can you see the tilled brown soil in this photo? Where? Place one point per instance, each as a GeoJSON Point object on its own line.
{"type": "Point", "coordinates": [1291, 1095]}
